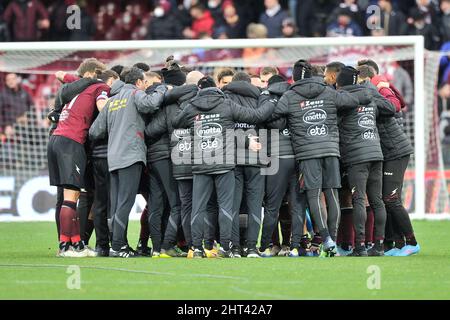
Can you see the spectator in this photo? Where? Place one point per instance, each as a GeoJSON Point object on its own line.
{"type": "Point", "coordinates": [444, 26]}
{"type": "Point", "coordinates": [273, 18]}
{"type": "Point", "coordinates": [288, 28]}
{"type": "Point", "coordinates": [444, 64]}
{"type": "Point", "coordinates": [351, 6]}
{"type": "Point", "coordinates": [393, 22]}
{"type": "Point", "coordinates": [216, 9]}
{"type": "Point", "coordinates": [163, 24]}
{"type": "Point", "coordinates": [344, 26]}
{"type": "Point", "coordinates": [58, 30]}
{"type": "Point", "coordinates": [306, 17]}
{"type": "Point", "coordinates": [255, 31]}
{"type": "Point", "coordinates": [26, 18]}
{"type": "Point", "coordinates": [202, 23]}
{"type": "Point", "coordinates": [87, 28]}
{"type": "Point", "coordinates": [4, 30]}
{"type": "Point", "coordinates": [444, 121]}
{"type": "Point", "coordinates": [421, 28]}
{"type": "Point", "coordinates": [14, 102]}
{"type": "Point", "coordinates": [428, 9]}
{"type": "Point", "coordinates": [234, 25]}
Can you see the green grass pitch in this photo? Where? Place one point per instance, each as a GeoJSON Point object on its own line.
{"type": "Point", "coordinates": [30, 270]}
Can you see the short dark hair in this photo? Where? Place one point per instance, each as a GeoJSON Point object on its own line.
{"type": "Point", "coordinates": [124, 73]}
{"type": "Point", "coordinates": [143, 66]}
{"type": "Point", "coordinates": [118, 68]}
{"type": "Point", "coordinates": [335, 66]}
{"type": "Point", "coordinates": [366, 71]}
{"type": "Point", "coordinates": [302, 69]}
{"type": "Point", "coordinates": [134, 75]}
{"type": "Point", "coordinates": [241, 76]}
{"type": "Point", "coordinates": [371, 63]}
{"type": "Point", "coordinates": [317, 70]}
{"type": "Point", "coordinates": [206, 82]}
{"type": "Point", "coordinates": [275, 79]}
{"type": "Point", "coordinates": [227, 72]}
{"type": "Point", "coordinates": [107, 74]}
{"type": "Point", "coordinates": [269, 70]}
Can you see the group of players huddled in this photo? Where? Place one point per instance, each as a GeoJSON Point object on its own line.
{"type": "Point", "coordinates": [324, 155]}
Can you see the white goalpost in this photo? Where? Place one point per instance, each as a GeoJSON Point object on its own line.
{"type": "Point", "coordinates": [40, 58]}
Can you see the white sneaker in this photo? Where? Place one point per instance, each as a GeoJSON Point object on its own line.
{"type": "Point", "coordinates": [90, 252]}
{"type": "Point", "coordinates": [72, 253]}
{"type": "Point", "coordinates": [293, 253]}
{"type": "Point", "coordinates": [284, 251]}
{"type": "Point", "coordinates": [155, 254]}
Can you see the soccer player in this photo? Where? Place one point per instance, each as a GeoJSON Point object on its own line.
{"type": "Point", "coordinates": [331, 71]}
{"type": "Point", "coordinates": [162, 183]}
{"type": "Point", "coordinates": [362, 157]}
{"type": "Point", "coordinates": [224, 77]}
{"type": "Point", "coordinates": [248, 178]}
{"type": "Point", "coordinates": [282, 182]}
{"type": "Point", "coordinates": [309, 110]}
{"type": "Point", "coordinates": [67, 156]}
{"type": "Point", "coordinates": [266, 73]}
{"type": "Point", "coordinates": [180, 146]}
{"type": "Point", "coordinates": [124, 124]}
{"type": "Point", "coordinates": [212, 118]}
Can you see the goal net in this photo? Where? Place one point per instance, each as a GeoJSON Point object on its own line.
{"type": "Point", "coordinates": [24, 190]}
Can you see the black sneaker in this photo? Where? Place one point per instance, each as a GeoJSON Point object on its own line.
{"type": "Point", "coordinates": [198, 254]}
{"type": "Point", "coordinates": [253, 253]}
{"type": "Point", "coordinates": [102, 252]}
{"type": "Point", "coordinates": [124, 252]}
{"type": "Point", "coordinates": [359, 251]}
{"type": "Point", "coordinates": [376, 250]}
{"type": "Point", "coordinates": [225, 254]}
{"type": "Point", "coordinates": [236, 252]}
{"type": "Point", "coordinates": [144, 251]}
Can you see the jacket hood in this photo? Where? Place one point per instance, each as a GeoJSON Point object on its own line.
{"type": "Point", "coordinates": [116, 87]}
{"type": "Point", "coordinates": [363, 94]}
{"type": "Point", "coordinates": [279, 88]}
{"type": "Point", "coordinates": [208, 99]}
{"type": "Point", "coordinates": [309, 88]}
{"type": "Point", "coordinates": [243, 88]}
{"type": "Point", "coordinates": [181, 94]}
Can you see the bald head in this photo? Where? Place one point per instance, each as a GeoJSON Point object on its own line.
{"type": "Point", "coordinates": [193, 77]}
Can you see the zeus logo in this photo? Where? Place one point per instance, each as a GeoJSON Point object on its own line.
{"type": "Point", "coordinates": [394, 192]}
{"type": "Point", "coordinates": [78, 169]}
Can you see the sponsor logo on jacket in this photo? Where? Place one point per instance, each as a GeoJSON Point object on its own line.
{"type": "Point", "coordinates": [367, 121]}
{"type": "Point", "coordinates": [318, 130]}
{"type": "Point", "coordinates": [369, 134]}
{"type": "Point", "coordinates": [315, 116]}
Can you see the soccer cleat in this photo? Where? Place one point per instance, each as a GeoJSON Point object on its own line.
{"type": "Point", "coordinates": [226, 254]}
{"type": "Point", "coordinates": [124, 252]}
{"type": "Point", "coordinates": [144, 251]}
{"type": "Point", "coordinates": [392, 252]}
{"type": "Point", "coordinates": [294, 253]}
{"type": "Point", "coordinates": [266, 253]}
{"type": "Point", "coordinates": [408, 250]}
{"type": "Point", "coordinates": [90, 252]}
{"type": "Point", "coordinates": [284, 252]}
{"type": "Point", "coordinates": [376, 250]}
{"type": "Point", "coordinates": [211, 254]}
{"type": "Point", "coordinates": [359, 252]}
{"type": "Point", "coordinates": [102, 252]}
{"type": "Point", "coordinates": [274, 250]}
{"type": "Point", "coordinates": [155, 255]}
{"type": "Point", "coordinates": [342, 252]}
{"type": "Point", "coordinates": [253, 253]}
{"type": "Point", "coordinates": [190, 254]}
{"type": "Point", "coordinates": [198, 254]}
{"type": "Point", "coordinates": [328, 248]}
{"type": "Point", "coordinates": [174, 252]}
{"type": "Point", "coordinates": [236, 252]}
{"type": "Point", "coordinates": [72, 253]}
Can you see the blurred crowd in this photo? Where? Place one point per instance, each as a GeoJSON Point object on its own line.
{"type": "Point", "coordinates": [34, 20]}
